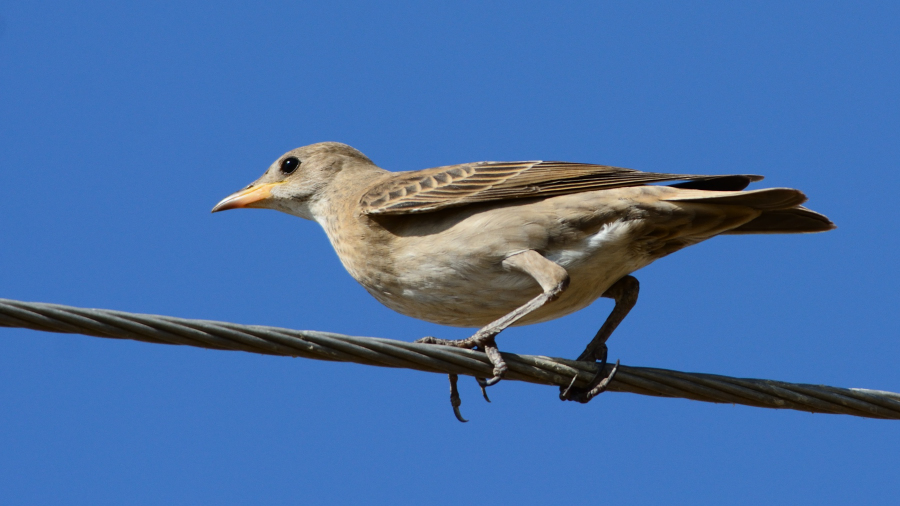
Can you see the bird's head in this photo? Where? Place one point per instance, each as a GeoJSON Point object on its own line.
{"type": "Point", "coordinates": [296, 179]}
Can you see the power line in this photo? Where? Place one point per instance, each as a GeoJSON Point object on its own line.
{"type": "Point", "coordinates": [444, 359]}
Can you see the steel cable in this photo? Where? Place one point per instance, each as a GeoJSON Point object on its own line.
{"type": "Point", "coordinates": [442, 359]}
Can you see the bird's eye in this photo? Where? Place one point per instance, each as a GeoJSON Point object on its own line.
{"type": "Point", "coordinates": [290, 164]}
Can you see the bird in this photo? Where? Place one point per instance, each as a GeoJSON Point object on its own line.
{"type": "Point", "coordinates": [496, 244]}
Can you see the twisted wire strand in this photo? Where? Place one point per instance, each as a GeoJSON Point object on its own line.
{"type": "Point", "coordinates": [444, 359]}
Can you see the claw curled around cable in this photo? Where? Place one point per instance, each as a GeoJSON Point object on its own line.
{"type": "Point", "coordinates": [483, 383]}
{"type": "Point", "coordinates": [564, 395]}
{"type": "Point", "coordinates": [600, 387]}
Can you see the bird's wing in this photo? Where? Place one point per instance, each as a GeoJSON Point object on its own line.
{"type": "Point", "coordinates": [438, 188]}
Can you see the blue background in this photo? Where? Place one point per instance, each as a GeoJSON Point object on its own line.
{"type": "Point", "coordinates": [122, 125]}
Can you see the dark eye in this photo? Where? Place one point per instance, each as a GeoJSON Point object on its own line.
{"type": "Point", "coordinates": [290, 164]}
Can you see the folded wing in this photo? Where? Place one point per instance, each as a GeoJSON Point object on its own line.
{"type": "Point", "coordinates": [458, 185]}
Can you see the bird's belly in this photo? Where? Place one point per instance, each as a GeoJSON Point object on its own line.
{"type": "Point", "coordinates": [461, 302]}
{"type": "Point", "coordinates": [471, 291]}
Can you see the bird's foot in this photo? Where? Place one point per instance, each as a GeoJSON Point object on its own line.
{"type": "Point", "coordinates": [483, 343]}
{"type": "Point", "coordinates": [584, 395]}
{"type": "Point", "coordinates": [597, 386]}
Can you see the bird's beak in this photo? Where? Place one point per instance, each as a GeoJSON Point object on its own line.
{"type": "Point", "coordinates": [252, 196]}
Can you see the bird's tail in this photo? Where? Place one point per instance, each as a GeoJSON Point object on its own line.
{"type": "Point", "coordinates": [780, 210]}
{"type": "Point", "coordinates": [798, 220]}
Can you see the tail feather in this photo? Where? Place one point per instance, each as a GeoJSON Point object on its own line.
{"type": "Point", "coordinates": [780, 210]}
{"type": "Point", "coordinates": [766, 199]}
{"type": "Point", "coordinates": [719, 183]}
{"type": "Point", "coordinates": [798, 220]}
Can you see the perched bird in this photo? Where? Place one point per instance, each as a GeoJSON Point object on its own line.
{"type": "Point", "coordinates": [494, 244]}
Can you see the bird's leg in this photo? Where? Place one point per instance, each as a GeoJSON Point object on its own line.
{"type": "Point", "coordinates": [625, 293]}
{"type": "Point", "coordinates": [484, 338]}
{"type": "Point", "coordinates": [553, 280]}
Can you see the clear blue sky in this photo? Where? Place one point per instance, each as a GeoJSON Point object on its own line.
{"type": "Point", "coordinates": [122, 125]}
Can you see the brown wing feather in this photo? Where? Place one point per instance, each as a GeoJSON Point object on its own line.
{"type": "Point", "coordinates": [457, 185]}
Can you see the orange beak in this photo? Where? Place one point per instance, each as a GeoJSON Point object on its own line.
{"type": "Point", "coordinates": [254, 196]}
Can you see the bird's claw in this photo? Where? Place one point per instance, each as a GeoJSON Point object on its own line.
{"type": "Point", "coordinates": [483, 343]}
{"type": "Point", "coordinates": [455, 401]}
{"type": "Point", "coordinates": [435, 340]}
{"type": "Point", "coordinates": [484, 383]}
{"type": "Point", "coordinates": [598, 385]}
{"type": "Point", "coordinates": [500, 366]}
